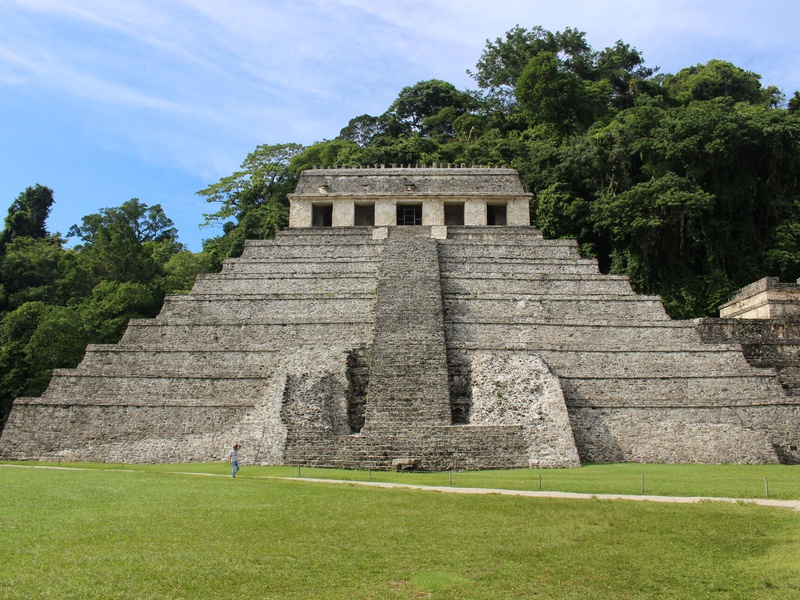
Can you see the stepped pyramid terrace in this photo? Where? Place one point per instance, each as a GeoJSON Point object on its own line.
{"type": "Point", "coordinates": [411, 318]}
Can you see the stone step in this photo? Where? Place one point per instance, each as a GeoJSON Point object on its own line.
{"type": "Point", "coordinates": [565, 309]}
{"type": "Point", "coordinates": [176, 362]}
{"type": "Point", "coordinates": [311, 251]}
{"type": "Point", "coordinates": [625, 363]}
{"type": "Point", "coordinates": [460, 447]}
{"type": "Point", "coordinates": [511, 268]}
{"type": "Point", "coordinates": [342, 233]}
{"type": "Point", "coordinates": [200, 391]}
{"type": "Point", "coordinates": [487, 235]}
{"type": "Point", "coordinates": [613, 335]}
{"type": "Point", "coordinates": [509, 236]}
{"type": "Point", "coordinates": [306, 268]}
{"type": "Point", "coordinates": [509, 252]}
{"type": "Point", "coordinates": [150, 333]}
{"type": "Point", "coordinates": [408, 383]}
{"type": "Point", "coordinates": [318, 235]}
{"type": "Point", "coordinates": [749, 330]}
{"type": "Point", "coordinates": [537, 286]}
{"type": "Point", "coordinates": [234, 284]}
{"type": "Point", "coordinates": [777, 351]}
{"type": "Point", "coordinates": [673, 391]}
{"type": "Point", "coordinates": [193, 309]}
{"type": "Point", "coordinates": [406, 232]}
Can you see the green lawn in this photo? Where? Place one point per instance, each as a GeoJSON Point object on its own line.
{"type": "Point", "coordinates": [727, 481]}
{"type": "Point", "coordinates": [108, 533]}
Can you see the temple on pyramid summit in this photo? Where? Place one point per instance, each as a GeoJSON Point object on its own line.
{"type": "Point", "coordinates": [412, 318]}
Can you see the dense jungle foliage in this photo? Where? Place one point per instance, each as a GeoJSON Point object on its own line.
{"type": "Point", "coordinates": [689, 183]}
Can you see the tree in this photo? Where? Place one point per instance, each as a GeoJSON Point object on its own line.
{"type": "Point", "coordinates": [557, 80]}
{"type": "Point", "coordinates": [27, 215]}
{"type": "Point", "coordinates": [719, 79]}
{"type": "Point", "coordinates": [61, 299]}
{"type": "Point", "coordinates": [31, 270]}
{"type": "Point", "coordinates": [551, 94]}
{"type": "Point", "coordinates": [125, 243]}
{"type": "Point", "coordinates": [255, 197]}
{"type": "Point", "coordinates": [623, 68]}
{"type": "Point", "coordinates": [656, 227]}
{"type": "Point", "coordinates": [34, 339]}
{"type": "Point", "coordinates": [361, 130]}
{"type": "Point", "coordinates": [264, 176]}
{"type": "Point", "coordinates": [783, 257]}
{"type": "Point", "coordinates": [133, 219]}
{"type": "Point", "coordinates": [504, 60]}
{"type": "Point", "coordinates": [182, 268]}
{"type": "Point", "coordinates": [112, 304]}
{"type": "Point", "coordinates": [329, 153]}
{"type": "Point", "coordinates": [794, 104]}
{"type": "Point", "coordinates": [424, 107]}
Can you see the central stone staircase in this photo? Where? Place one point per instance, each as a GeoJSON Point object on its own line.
{"type": "Point", "coordinates": [408, 371]}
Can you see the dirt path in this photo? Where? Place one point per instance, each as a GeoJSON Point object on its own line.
{"type": "Point", "coordinates": [793, 504]}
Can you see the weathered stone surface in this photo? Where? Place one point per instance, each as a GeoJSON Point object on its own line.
{"type": "Point", "coordinates": [669, 435]}
{"type": "Point", "coordinates": [361, 347]}
{"type": "Point", "coordinates": [412, 182]}
{"type": "Point", "coordinates": [408, 372]}
{"type": "Point", "coordinates": [475, 190]}
{"type": "Point", "coordinates": [519, 389]}
{"type": "Point", "coordinates": [766, 298]}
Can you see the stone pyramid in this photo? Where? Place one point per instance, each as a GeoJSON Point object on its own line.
{"type": "Point", "coordinates": [352, 341]}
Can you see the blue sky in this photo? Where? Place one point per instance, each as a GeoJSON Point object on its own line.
{"type": "Point", "coordinates": [104, 101]}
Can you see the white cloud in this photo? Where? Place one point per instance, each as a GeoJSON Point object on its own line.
{"type": "Point", "coordinates": [196, 84]}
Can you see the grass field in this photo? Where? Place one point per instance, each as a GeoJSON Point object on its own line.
{"type": "Point", "coordinates": [726, 481]}
{"type": "Point", "coordinates": [152, 533]}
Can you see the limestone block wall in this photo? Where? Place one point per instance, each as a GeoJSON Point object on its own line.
{"type": "Point", "coordinates": [246, 337]}
{"type": "Point", "coordinates": [475, 213]}
{"type": "Point", "coordinates": [217, 365]}
{"type": "Point", "coordinates": [388, 187]}
{"type": "Point", "coordinates": [343, 210]}
{"type": "Point", "coordinates": [343, 213]}
{"type": "Point", "coordinates": [766, 298]}
{"type": "Point", "coordinates": [451, 348]}
{"type": "Point", "coordinates": [405, 181]}
{"type": "Point", "coordinates": [433, 212]}
{"type": "Point", "coordinates": [519, 389]}
{"type": "Point", "coordinates": [625, 369]}
{"type": "Point", "coordinates": [518, 212]}
{"type": "Point", "coordinates": [300, 212]}
{"type": "Point", "coordinates": [669, 435]}
{"type": "Point", "coordinates": [773, 344]}
{"type": "Point", "coordinates": [155, 432]}
{"type": "Point", "coordinates": [385, 212]}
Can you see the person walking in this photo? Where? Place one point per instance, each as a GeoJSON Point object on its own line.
{"type": "Point", "coordinates": [233, 459]}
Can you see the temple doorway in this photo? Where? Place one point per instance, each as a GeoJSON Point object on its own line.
{"type": "Point", "coordinates": [322, 215]}
{"type": "Point", "coordinates": [409, 214]}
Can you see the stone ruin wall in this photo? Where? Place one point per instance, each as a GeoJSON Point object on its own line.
{"type": "Point", "coordinates": [546, 362]}
{"type": "Point", "coordinates": [766, 298]}
{"type": "Point", "coordinates": [638, 386]}
{"type": "Point", "coordinates": [385, 188]}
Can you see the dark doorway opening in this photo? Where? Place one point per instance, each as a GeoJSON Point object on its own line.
{"type": "Point", "coordinates": [364, 215]}
{"type": "Point", "coordinates": [454, 214]}
{"type": "Point", "coordinates": [409, 214]}
{"type": "Point", "coordinates": [321, 215]}
{"type": "Point", "coordinates": [495, 214]}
